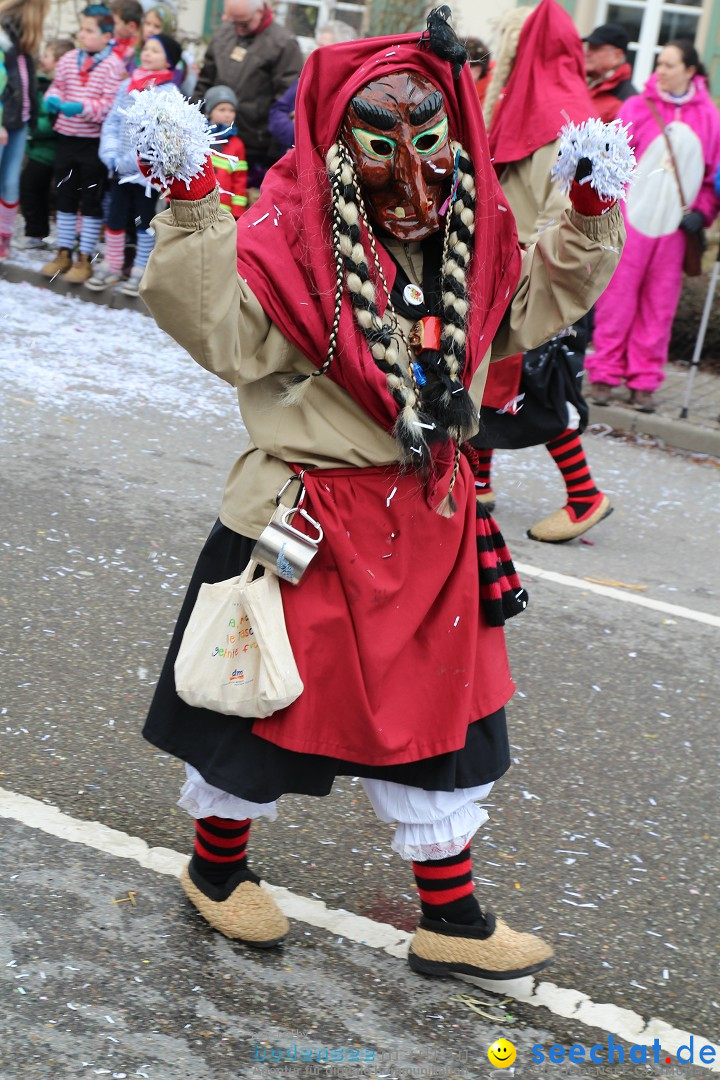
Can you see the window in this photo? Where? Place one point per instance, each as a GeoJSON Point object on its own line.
{"type": "Point", "coordinates": [303, 17]}
{"type": "Point", "coordinates": [651, 24]}
{"type": "Point", "coordinates": [213, 11]}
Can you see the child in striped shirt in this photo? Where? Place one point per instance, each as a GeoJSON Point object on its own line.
{"type": "Point", "coordinates": [81, 94]}
{"type": "Point", "coordinates": [130, 197]}
{"type": "Point", "coordinates": [228, 150]}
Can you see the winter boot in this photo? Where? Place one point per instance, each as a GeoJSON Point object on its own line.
{"type": "Point", "coordinates": [4, 246]}
{"type": "Point", "coordinates": [59, 265]}
{"type": "Point", "coordinates": [31, 243]}
{"type": "Point", "coordinates": [102, 277]}
{"type": "Point", "coordinates": [600, 393]}
{"type": "Point", "coordinates": [80, 272]}
{"type": "Point", "coordinates": [643, 401]}
{"type": "Point", "coordinates": [132, 285]}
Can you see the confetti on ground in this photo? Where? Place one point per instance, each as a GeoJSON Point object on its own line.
{"type": "Point", "coordinates": [161, 378]}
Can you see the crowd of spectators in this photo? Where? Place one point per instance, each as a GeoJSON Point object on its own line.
{"type": "Point", "coordinates": [67, 165]}
{"type": "Point", "coordinates": [65, 158]}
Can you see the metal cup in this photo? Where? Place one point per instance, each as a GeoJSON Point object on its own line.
{"type": "Point", "coordinates": [284, 550]}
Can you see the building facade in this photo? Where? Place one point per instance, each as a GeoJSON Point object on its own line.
{"type": "Point", "coordinates": [650, 23]}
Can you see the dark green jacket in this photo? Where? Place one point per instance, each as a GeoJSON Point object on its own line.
{"type": "Point", "coordinates": [43, 139]}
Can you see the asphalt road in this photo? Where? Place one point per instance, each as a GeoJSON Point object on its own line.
{"type": "Point", "coordinates": [113, 453]}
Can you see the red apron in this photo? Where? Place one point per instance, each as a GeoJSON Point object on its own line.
{"type": "Point", "coordinates": [386, 624]}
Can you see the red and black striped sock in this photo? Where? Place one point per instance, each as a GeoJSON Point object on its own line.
{"type": "Point", "coordinates": [481, 467]}
{"type": "Point", "coordinates": [569, 456]}
{"type": "Point", "coordinates": [446, 889]}
{"type": "Point", "coordinates": [220, 849]}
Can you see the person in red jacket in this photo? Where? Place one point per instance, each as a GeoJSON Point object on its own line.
{"type": "Point", "coordinates": [608, 72]}
{"type": "Point", "coordinates": [228, 150]}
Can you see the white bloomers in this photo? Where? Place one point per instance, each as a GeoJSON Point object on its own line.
{"type": "Point", "coordinates": [430, 824]}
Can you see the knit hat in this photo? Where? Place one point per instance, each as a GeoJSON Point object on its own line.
{"type": "Point", "coordinates": [218, 95]}
{"type": "Point", "coordinates": [173, 49]}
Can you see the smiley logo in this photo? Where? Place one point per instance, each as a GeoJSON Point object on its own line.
{"type": "Point", "coordinates": [501, 1053]}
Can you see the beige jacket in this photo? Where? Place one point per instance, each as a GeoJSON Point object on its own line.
{"type": "Point", "coordinates": [193, 289]}
{"type": "Point", "coordinates": [534, 199]}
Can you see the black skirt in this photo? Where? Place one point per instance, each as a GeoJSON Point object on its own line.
{"type": "Point", "coordinates": [229, 756]}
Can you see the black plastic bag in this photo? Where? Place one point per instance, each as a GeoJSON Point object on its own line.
{"type": "Point", "coordinates": [551, 379]}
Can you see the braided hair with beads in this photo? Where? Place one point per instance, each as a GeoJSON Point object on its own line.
{"type": "Point", "coordinates": [322, 279]}
{"type": "Point", "coordinates": [442, 407]}
{"type": "Point", "coordinates": [414, 430]}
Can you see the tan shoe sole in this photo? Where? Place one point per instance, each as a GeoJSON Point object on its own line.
{"type": "Point", "coordinates": [77, 276]}
{"type": "Point", "coordinates": [52, 269]}
{"type": "Point", "coordinates": [558, 527]}
{"type": "Point", "coordinates": [506, 954]}
{"type": "Point", "coordinates": [249, 914]}
{"type": "Point", "coordinates": [486, 499]}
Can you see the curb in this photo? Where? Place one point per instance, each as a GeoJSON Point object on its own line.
{"type": "Point", "coordinates": [682, 434]}
{"type": "Point", "coordinates": [111, 298]}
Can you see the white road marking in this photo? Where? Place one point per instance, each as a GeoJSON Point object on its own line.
{"type": "Point", "coordinates": [617, 594]}
{"type": "Point", "coordinates": [572, 1004]}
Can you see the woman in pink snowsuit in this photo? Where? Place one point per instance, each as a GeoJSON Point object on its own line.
{"type": "Point", "coordinates": [634, 316]}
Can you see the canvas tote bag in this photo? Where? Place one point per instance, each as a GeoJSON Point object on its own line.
{"type": "Point", "coordinates": [235, 656]}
